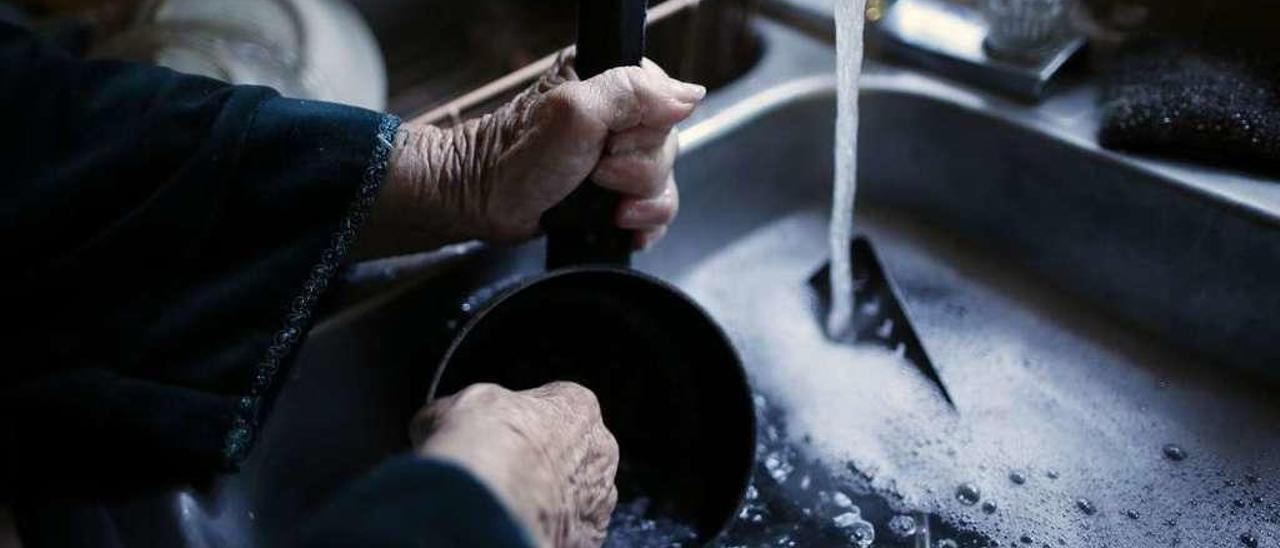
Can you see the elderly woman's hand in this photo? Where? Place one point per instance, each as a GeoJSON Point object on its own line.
{"type": "Point", "coordinates": [544, 452]}
{"type": "Point", "coordinates": [492, 178]}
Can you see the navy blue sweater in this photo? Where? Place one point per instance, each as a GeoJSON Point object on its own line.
{"type": "Point", "coordinates": [165, 239]}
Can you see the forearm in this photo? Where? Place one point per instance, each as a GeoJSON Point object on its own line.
{"type": "Point", "coordinates": [433, 196]}
{"type": "Point", "coordinates": [414, 210]}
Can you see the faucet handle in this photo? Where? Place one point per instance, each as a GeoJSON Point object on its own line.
{"type": "Point", "coordinates": [1022, 28]}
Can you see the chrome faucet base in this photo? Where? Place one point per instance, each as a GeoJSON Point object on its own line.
{"type": "Point", "coordinates": [952, 40]}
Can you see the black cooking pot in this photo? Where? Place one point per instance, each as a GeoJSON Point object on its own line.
{"type": "Point", "coordinates": [670, 385]}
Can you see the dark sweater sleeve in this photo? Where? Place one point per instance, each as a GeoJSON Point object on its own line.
{"type": "Point", "coordinates": [414, 502]}
{"type": "Point", "coordinates": [166, 239]}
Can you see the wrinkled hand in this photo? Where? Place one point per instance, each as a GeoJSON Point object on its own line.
{"type": "Point", "coordinates": [545, 452]}
{"type": "Point", "coordinates": [491, 178]}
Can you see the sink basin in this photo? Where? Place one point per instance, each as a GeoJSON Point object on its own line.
{"type": "Point", "coordinates": [1084, 312]}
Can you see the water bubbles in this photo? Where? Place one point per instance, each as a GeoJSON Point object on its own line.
{"type": "Point", "coordinates": [885, 329]}
{"type": "Point", "coordinates": [771, 433]}
{"type": "Point", "coordinates": [902, 526]}
{"type": "Point", "coordinates": [968, 494]}
{"type": "Point", "coordinates": [841, 500]}
{"type": "Point", "coordinates": [947, 543]}
{"type": "Point", "coordinates": [1249, 540]}
{"type": "Point", "coordinates": [1086, 506]}
{"type": "Point", "coordinates": [630, 526]}
{"type": "Point", "coordinates": [862, 534]}
{"type": "Point", "coordinates": [1174, 452]}
{"type": "Point", "coordinates": [989, 507]}
{"type": "Point", "coordinates": [778, 466]}
{"type": "Point", "coordinates": [1018, 478]}
{"type": "Point", "coordinates": [847, 519]}
{"type": "Point", "coordinates": [1238, 503]}
{"type": "Point", "coordinates": [1251, 478]}
{"type": "Point", "coordinates": [871, 307]}
{"type": "Point", "coordinates": [1132, 514]}
{"type": "Point", "coordinates": [1051, 474]}
{"type": "Point", "coordinates": [1026, 539]}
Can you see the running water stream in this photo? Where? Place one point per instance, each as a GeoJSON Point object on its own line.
{"type": "Point", "coordinates": [849, 16]}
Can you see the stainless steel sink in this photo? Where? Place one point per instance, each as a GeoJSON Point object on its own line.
{"type": "Point", "coordinates": [1023, 252]}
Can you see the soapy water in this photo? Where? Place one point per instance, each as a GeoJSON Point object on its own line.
{"type": "Point", "coordinates": [793, 500]}
{"type": "Point", "coordinates": [796, 499]}
{"type": "Point", "coordinates": [849, 17]}
{"type": "Point", "coordinates": [1064, 454]}
{"type": "Point", "coordinates": [632, 525]}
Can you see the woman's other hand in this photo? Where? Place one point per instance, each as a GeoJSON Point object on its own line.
{"type": "Point", "coordinates": [544, 452]}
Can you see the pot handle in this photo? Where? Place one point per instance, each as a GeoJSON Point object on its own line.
{"type": "Point", "coordinates": [581, 229]}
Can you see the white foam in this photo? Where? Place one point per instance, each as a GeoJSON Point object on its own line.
{"type": "Point", "coordinates": [1035, 397]}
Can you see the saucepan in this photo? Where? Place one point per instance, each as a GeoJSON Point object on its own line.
{"type": "Point", "coordinates": [670, 384]}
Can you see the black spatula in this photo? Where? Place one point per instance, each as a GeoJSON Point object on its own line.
{"type": "Point", "coordinates": [880, 315]}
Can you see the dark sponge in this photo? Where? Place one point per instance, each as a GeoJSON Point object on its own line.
{"type": "Point", "coordinates": [1220, 105]}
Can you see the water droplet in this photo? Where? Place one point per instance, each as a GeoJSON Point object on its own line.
{"type": "Point", "coordinates": [968, 494]}
{"type": "Point", "coordinates": [1249, 540]}
{"type": "Point", "coordinates": [885, 329]}
{"type": "Point", "coordinates": [1132, 514]}
{"type": "Point", "coordinates": [842, 500]}
{"type": "Point", "coordinates": [862, 534]}
{"type": "Point", "coordinates": [1257, 499]}
{"type": "Point", "coordinates": [1018, 478]}
{"type": "Point", "coordinates": [1252, 478]}
{"type": "Point", "coordinates": [1026, 539]}
{"type": "Point", "coordinates": [902, 526]}
{"type": "Point", "coordinates": [989, 507]}
{"type": "Point", "coordinates": [1238, 503]}
{"type": "Point", "coordinates": [1174, 452]}
{"type": "Point", "coordinates": [946, 543]}
{"type": "Point", "coordinates": [871, 307]}
{"type": "Point", "coordinates": [847, 519]}
{"type": "Point", "coordinates": [1086, 506]}
{"type": "Point", "coordinates": [1051, 474]}
{"type": "Point", "coordinates": [778, 467]}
